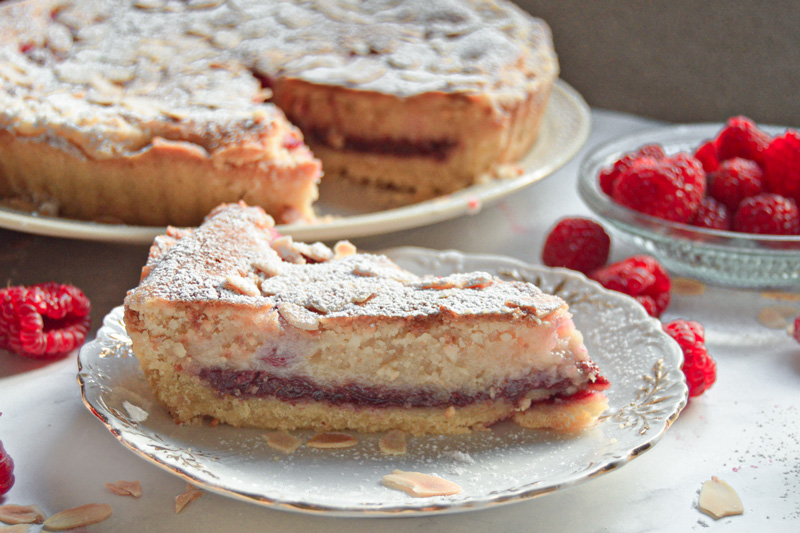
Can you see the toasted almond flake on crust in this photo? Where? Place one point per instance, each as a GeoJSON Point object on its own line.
{"type": "Point", "coordinates": [299, 317]}
{"type": "Point", "coordinates": [450, 412]}
{"type": "Point", "coordinates": [420, 485]}
{"type": "Point", "coordinates": [688, 287]}
{"type": "Point", "coordinates": [283, 441]}
{"type": "Point", "coordinates": [187, 496]}
{"type": "Point", "coordinates": [777, 316]}
{"type": "Point", "coordinates": [332, 439]}
{"type": "Point", "coordinates": [125, 488]}
{"type": "Point", "coordinates": [393, 443]}
{"type": "Point", "coordinates": [21, 514]}
{"type": "Point", "coordinates": [85, 515]}
{"type": "Point", "coordinates": [718, 499]}
{"type": "Point", "coordinates": [343, 249]}
{"type": "Point", "coordinates": [244, 286]}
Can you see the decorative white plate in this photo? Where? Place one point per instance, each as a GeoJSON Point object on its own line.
{"type": "Point", "coordinates": [505, 464]}
{"type": "Point", "coordinates": [564, 129]}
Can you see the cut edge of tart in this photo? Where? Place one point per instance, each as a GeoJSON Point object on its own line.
{"type": "Point", "coordinates": [235, 322]}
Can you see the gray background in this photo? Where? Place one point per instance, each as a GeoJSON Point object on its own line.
{"type": "Point", "coordinates": [681, 60]}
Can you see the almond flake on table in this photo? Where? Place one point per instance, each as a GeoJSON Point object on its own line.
{"type": "Point", "coordinates": [393, 443]}
{"type": "Point", "coordinates": [332, 439]}
{"type": "Point", "coordinates": [125, 488]}
{"type": "Point", "coordinates": [718, 499]}
{"type": "Point", "coordinates": [283, 441]}
{"type": "Point", "coordinates": [420, 485]}
{"type": "Point", "coordinates": [85, 515]}
{"type": "Point", "coordinates": [16, 528]}
{"type": "Point", "coordinates": [21, 514]}
{"type": "Point", "coordinates": [184, 498]}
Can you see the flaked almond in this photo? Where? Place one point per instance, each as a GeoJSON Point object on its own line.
{"type": "Point", "coordinates": [82, 516]}
{"type": "Point", "coordinates": [777, 316]}
{"type": "Point", "coordinates": [343, 249]}
{"type": "Point", "coordinates": [226, 39]}
{"type": "Point", "coordinates": [17, 528]}
{"type": "Point", "coordinates": [299, 317]}
{"type": "Point", "coordinates": [687, 287]}
{"type": "Point", "coordinates": [785, 296]}
{"type": "Point", "coordinates": [243, 286]}
{"type": "Point", "coordinates": [287, 250]}
{"type": "Point", "coordinates": [332, 439]}
{"type": "Point", "coordinates": [269, 265]}
{"type": "Point", "coordinates": [21, 514]}
{"type": "Point", "coordinates": [718, 499]}
{"type": "Point", "coordinates": [186, 497]}
{"type": "Point", "coordinates": [420, 485]}
{"type": "Point", "coordinates": [450, 412]}
{"type": "Point", "coordinates": [125, 488]}
{"type": "Point", "coordinates": [283, 441]}
{"type": "Point", "coordinates": [393, 443]}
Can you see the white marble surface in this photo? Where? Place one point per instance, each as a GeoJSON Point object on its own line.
{"type": "Point", "coordinates": [745, 430]}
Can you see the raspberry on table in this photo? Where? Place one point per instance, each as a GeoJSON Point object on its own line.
{"type": "Point", "coordinates": [782, 165]}
{"type": "Point", "coordinates": [578, 244]}
{"type": "Point", "coordinates": [741, 138]}
{"type": "Point", "coordinates": [796, 330]}
{"type": "Point", "coordinates": [669, 188]}
{"type": "Point", "coordinates": [735, 180]}
{"type": "Point", "coordinates": [43, 321]}
{"type": "Point", "coordinates": [6, 471]}
{"type": "Point", "coordinates": [609, 175]}
{"type": "Point", "coordinates": [641, 277]}
{"type": "Point", "coordinates": [712, 215]}
{"type": "Point", "coordinates": [698, 366]}
{"type": "Point", "coordinates": [767, 214]}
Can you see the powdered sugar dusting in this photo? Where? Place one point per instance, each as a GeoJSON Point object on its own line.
{"type": "Point", "coordinates": [199, 267]}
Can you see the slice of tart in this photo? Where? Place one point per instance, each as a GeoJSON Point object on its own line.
{"type": "Point", "coordinates": [235, 322]}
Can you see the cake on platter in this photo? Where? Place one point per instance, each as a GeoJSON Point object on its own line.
{"type": "Point", "coordinates": [234, 322]}
{"type": "Point", "coordinates": [152, 112]}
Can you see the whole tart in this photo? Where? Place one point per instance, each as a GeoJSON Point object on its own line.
{"type": "Point", "coordinates": [234, 322]}
{"type": "Point", "coordinates": [154, 111]}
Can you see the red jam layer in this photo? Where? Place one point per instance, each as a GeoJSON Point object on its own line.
{"type": "Point", "coordinates": [262, 384]}
{"type": "Point", "coordinates": [438, 150]}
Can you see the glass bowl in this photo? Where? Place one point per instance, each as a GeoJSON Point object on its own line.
{"type": "Point", "coordinates": [726, 258]}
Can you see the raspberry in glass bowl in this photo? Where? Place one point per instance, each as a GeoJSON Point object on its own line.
{"type": "Point", "coordinates": [703, 246]}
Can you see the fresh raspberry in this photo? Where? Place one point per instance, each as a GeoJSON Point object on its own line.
{"type": "Point", "coordinates": [641, 277]}
{"type": "Point", "coordinates": [698, 366]}
{"type": "Point", "coordinates": [767, 214]}
{"type": "Point", "coordinates": [741, 138]}
{"type": "Point", "coordinates": [735, 180]}
{"type": "Point", "coordinates": [609, 175]}
{"type": "Point", "coordinates": [711, 214]}
{"type": "Point", "coordinates": [706, 153]}
{"type": "Point", "coordinates": [578, 244]}
{"type": "Point", "coordinates": [44, 321]}
{"type": "Point", "coordinates": [6, 471]}
{"type": "Point", "coordinates": [782, 165]}
{"type": "Point", "coordinates": [796, 330]}
{"type": "Point", "coordinates": [669, 188]}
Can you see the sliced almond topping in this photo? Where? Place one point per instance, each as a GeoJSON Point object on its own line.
{"type": "Point", "coordinates": [777, 316]}
{"type": "Point", "coordinates": [184, 498]}
{"type": "Point", "coordinates": [332, 439]}
{"type": "Point", "coordinates": [393, 443]}
{"type": "Point", "coordinates": [85, 515]}
{"type": "Point", "coordinates": [286, 248]}
{"type": "Point", "coordinates": [688, 287]}
{"type": "Point", "coordinates": [718, 499]}
{"type": "Point", "coordinates": [299, 317]}
{"type": "Point", "coordinates": [785, 296]}
{"type": "Point", "coordinates": [283, 441]}
{"type": "Point", "coordinates": [270, 265]}
{"type": "Point", "coordinates": [21, 514]}
{"type": "Point", "coordinates": [343, 249]}
{"type": "Point", "coordinates": [125, 488]}
{"type": "Point", "coordinates": [244, 286]}
{"type": "Point", "coordinates": [450, 412]}
{"type": "Point", "coordinates": [420, 485]}
{"type": "Point", "coordinates": [317, 251]}
{"type": "Point", "coordinates": [226, 39]}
